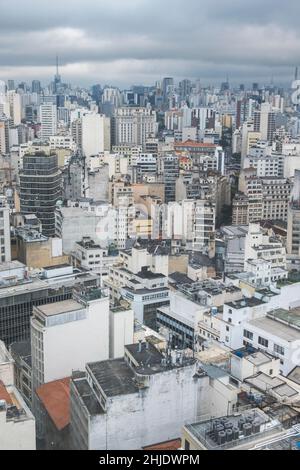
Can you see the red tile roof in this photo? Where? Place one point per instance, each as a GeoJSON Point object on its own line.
{"type": "Point", "coordinates": [169, 445]}
{"type": "Point", "coordinates": [4, 395]}
{"type": "Point", "coordinates": [55, 396]}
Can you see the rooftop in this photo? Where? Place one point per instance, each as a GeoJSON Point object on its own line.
{"type": "Point", "coordinates": [145, 354]}
{"type": "Point", "coordinates": [59, 308]}
{"type": "Point", "coordinates": [114, 377]}
{"type": "Point", "coordinates": [55, 396]}
{"type": "Point", "coordinates": [245, 302]}
{"type": "Point", "coordinates": [86, 394]}
{"type": "Point", "coordinates": [288, 317]}
{"type": "Point", "coordinates": [194, 144]}
{"type": "Point", "coordinates": [275, 328]}
{"type": "Point", "coordinates": [4, 395]}
{"type": "Point", "coordinates": [233, 431]}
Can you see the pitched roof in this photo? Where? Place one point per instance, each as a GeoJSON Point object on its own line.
{"type": "Point", "coordinates": [55, 396]}
{"type": "Point", "coordinates": [169, 445]}
{"type": "Point", "coordinates": [4, 395]}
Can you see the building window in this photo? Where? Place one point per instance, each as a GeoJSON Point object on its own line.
{"type": "Point", "coordinates": [263, 342]}
{"type": "Point", "coordinates": [186, 445]}
{"type": "Point", "coordinates": [248, 335]}
{"type": "Point", "coordinates": [279, 349]}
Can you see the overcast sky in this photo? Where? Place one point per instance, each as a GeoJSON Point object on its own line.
{"type": "Point", "coordinates": [139, 41]}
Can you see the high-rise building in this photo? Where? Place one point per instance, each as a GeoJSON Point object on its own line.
{"type": "Point", "coordinates": [92, 134]}
{"type": "Point", "coordinates": [40, 189]}
{"type": "Point", "coordinates": [264, 122]}
{"type": "Point", "coordinates": [75, 331]}
{"type": "Point", "coordinates": [36, 86]}
{"type": "Point", "coordinates": [4, 135]}
{"type": "Point", "coordinates": [293, 233]}
{"type": "Point", "coordinates": [11, 85]}
{"type": "Point", "coordinates": [48, 118]}
{"type": "Point", "coordinates": [170, 172]}
{"type": "Point", "coordinates": [167, 87]}
{"type": "Point", "coordinates": [134, 126]}
{"type": "Point", "coordinates": [23, 292]}
{"type": "Point", "coordinates": [5, 249]}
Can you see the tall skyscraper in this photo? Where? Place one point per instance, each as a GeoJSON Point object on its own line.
{"type": "Point", "coordinates": [11, 85]}
{"type": "Point", "coordinates": [170, 171]}
{"type": "Point", "coordinates": [40, 189]}
{"type": "Point", "coordinates": [48, 119]}
{"type": "Point", "coordinates": [5, 250]}
{"type": "Point", "coordinates": [4, 135]}
{"type": "Point", "coordinates": [36, 86]}
{"type": "Point", "coordinates": [264, 122]}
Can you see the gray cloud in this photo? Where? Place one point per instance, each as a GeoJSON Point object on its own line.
{"type": "Point", "coordinates": [135, 41]}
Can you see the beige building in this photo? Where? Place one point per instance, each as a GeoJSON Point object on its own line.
{"type": "Point", "coordinates": [37, 251]}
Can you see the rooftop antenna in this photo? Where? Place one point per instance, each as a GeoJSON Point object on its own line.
{"type": "Point", "coordinates": [57, 65]}
{"type": "Point", "coordinates": [296, 73]}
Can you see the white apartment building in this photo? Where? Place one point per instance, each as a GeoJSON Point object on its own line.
{"type": "Point", "coordinates": [17, 424]}
{"type": "Point", "coordinates": [92, 257]}
{"type": "Point", "coordinates": [134, 126]}
{"type": "Point", "coordinates": [133, 402]}
{"type": "Point", "coordinates": [64, 337]}
{"type": "Point", "coordinates": [261, 246]}
{"type": "Point", "coordinates": [94, 134]}
{"type": "Point", "coordinates": [48, 119]}
{"type": "Point", "coordinates": [5, 248]}
{"type": "Point", "coordinates": [204, 227]}
{"type": "Point", "coordinates": [277, 333]}
{"type": "Point", "coordinates": [74, 331]}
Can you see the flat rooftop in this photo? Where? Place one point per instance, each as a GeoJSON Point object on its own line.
{"type": "Point", "coordinates": [58, 308]}
{"type": "Point", "coordinates": [87, 395]}
{"type": "Point", "coordinates": [251, 302]}
{"type": "Point", "coordinates": [255, 357]}
{"type": "Point", "coordinates": [289, 317]}
{"type": "Point", "coordinates": [8, 265]}
{"type": "Point", "coordinates": [232, 429]}
{"type": "Point", "coordinates": [114, 377]}
{"type": "Point", "coordinates": [277, 329]}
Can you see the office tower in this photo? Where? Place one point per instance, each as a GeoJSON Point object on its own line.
{"type": "Point", "coordinates": [36, 86]}
{"type": "Point", "coordinates": [14, 100]}
{"type": "Point", "coordinates": [167, 87]}
{"type": "Point", "coordinates": [5, 251]}
{"type": "Point", "coordinates": [264, 122]}
{"type": "Point", "coordinates": [4, 135]}
{"type": "Point", "coordinates": [185, 88]}
{"type": "Point", "coordinates": [40, 189]}
{"type": "Point", "coordinates": [204, 229]}
{"type": "Point", "coordinates": [170, 171]}
{"type": "Point", "coordinates": [48, 118]}
{"type": "Point", "coordinates": [293, 233]}
{"type": "Point", "coordinates": [23, 292]}
{"type": "Point", "coordinates": [92, 134]}
{"type": "Point", "coordinates": [134, 126]}
{"type": "Point", "coordinates": [10, 85]}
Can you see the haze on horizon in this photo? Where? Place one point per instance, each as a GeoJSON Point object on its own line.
{"type": "Point", "coordinates": [140, 41]}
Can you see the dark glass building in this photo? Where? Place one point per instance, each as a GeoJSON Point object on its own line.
{"type": "Point", "coordinates": [40, 189]}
